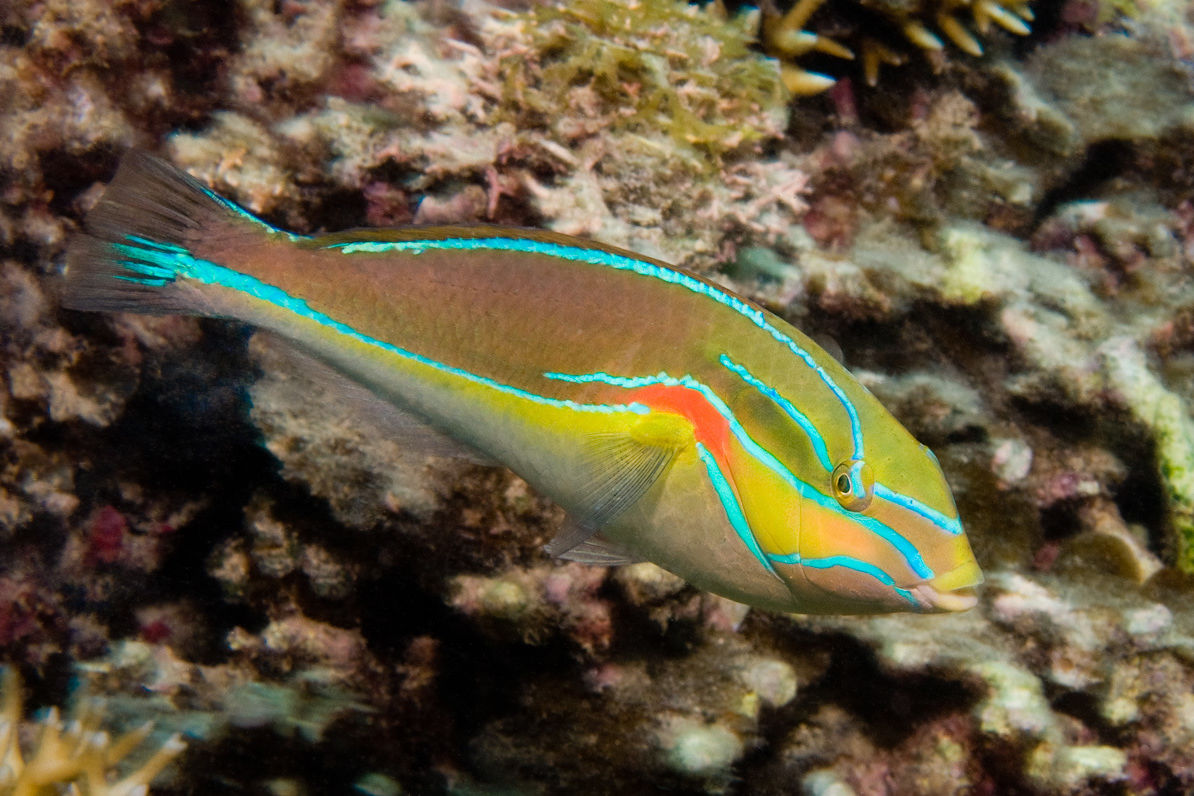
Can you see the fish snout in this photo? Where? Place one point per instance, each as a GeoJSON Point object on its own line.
{"type": "Point", "coordinates": [950, 591]}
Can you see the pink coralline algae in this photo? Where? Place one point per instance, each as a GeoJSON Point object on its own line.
{"type": "Point", "coordinates": [105, 537]}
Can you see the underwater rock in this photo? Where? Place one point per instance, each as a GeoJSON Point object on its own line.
{"type": "Point", "coordinates": [1145, 92]}
{"type": "Point", "coordinates": [1077, 643]}
{"type": "Point", "coordinates": [696, 749]}
{"type": "Point", "coordinates": [535, 603]}
{"type": "Point", "coordinates": [241, 158]}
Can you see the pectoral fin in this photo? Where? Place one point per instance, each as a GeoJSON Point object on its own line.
{"type": "Point", "coordinates": [624, 467]}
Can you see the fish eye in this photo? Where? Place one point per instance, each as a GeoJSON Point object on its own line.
{"type": "Point", "coordinates": [853, 484]}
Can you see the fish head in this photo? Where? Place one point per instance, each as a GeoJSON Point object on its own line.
{"type": "Point", "coordinates": [844, 505]}
{"type": "Point", "coordinates": [880, 532]}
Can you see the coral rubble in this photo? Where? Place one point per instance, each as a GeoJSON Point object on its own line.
{"type": "Point", "coordinates": [196, 526]}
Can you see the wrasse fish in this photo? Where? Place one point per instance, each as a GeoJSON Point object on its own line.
{"type": "Point", "coordinates": [674, 421]}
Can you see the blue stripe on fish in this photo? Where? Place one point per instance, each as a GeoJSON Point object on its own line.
{"type": "Point", "coordinates": [788, 408]}
{"type": "Point", "coordinates": [846, 562]}
{"type": "Point", "coordinates": [580, 254]}
{"type": "Point", "coordinates": [152, 258]}
{"type": "Point", "coordinates": [951, 525]}
{"type": "Point", "coordinates": [906, 549]}
{"type": "Point", "coordinates": [247, 216]}
{"type": "Point", "coordinates": [733, 510]}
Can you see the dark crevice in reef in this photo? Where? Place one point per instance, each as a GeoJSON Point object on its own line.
{"type": "Point", "coordinates": [188, 423]}
{"type": "Point", "coordinates": [338, 211]}
{"type": "Point", "coordinates": [478, 679]}
{"type": "Point", "coordinates": [891, 706]}
{"type": "Point", "coordinates": [640, 637]}
{"type": "Point", "coordinates": [1104, 160]}
{"type": "Point", "coordinates": [1141, 497]}
{"type": "Point", "coordinates": [1060, 520]}
{"type": "Point", "coordinates": [261, 756]}
{"type": "Point", "coordinates": [195, 40]}
{"type": "Point", "coordinates": [66, 175]}
{"type": "Point", "coordinates": [1048, 21]}
{"type": "Point", "coordinates": [1069, 423]}
{"type": "Point", "coordinates": [921, 339]}
{"type": "Point", "coordinates": [1085, 708]}
{"type": "Point", "coordinates": [13, 35]}
{"type": "Point", "coordinates": [185, 431]}
{"type": "Point", "coordinates": [24, 251]}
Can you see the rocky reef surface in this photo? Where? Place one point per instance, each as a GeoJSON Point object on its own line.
{"type": "Point", "coordinates": [1001, 246]}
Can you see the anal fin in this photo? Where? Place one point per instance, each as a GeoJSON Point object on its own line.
{"type": "Point", "coordinates": [600, 552]}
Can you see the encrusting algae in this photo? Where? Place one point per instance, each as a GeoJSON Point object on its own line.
{"type": "Point", "coordinates": [75, 757]}
{"type": "Point", "coordinates": [629, 57]}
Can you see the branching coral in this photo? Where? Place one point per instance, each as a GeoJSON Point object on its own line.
{"type": "Point", "coordinates": [785, 36]}
{"type": "Point", "coordinates": [77, 755]}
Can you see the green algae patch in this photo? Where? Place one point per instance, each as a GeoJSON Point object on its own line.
{"type": "Point", "coordinates": [976, 269]}
{"type": "Point", "coordinates": [644, 67]}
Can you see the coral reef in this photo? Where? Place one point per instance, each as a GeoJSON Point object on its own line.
{"type": "Point", "coordinates": [468, 118]}
{"type": "Point", "coordinates": [196, 528]}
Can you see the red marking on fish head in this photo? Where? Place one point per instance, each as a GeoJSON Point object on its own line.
{"type": "Point", "coordinates": [710, 428]}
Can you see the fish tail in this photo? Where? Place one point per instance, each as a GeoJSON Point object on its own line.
{"type": "Point", "coordinates": [139, 245]}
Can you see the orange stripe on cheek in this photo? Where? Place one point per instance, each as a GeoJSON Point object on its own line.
{"type": "Point", "coordinates": [710, 428]}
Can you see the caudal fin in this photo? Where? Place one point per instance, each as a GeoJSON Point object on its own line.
{"type": "Point", "coordinates": [140, 238]}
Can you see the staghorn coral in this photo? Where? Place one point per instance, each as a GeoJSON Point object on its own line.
{"type": "Point", "coordinates": [78, 754]}
{"type": "Point", "coordinates": [785, 35]}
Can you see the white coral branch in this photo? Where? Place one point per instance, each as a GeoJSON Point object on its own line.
{"type": "Point", "coordinates": [77, 754]}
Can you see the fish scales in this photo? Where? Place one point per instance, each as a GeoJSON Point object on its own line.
{"type": "Point", "coordinates": [672, 419]}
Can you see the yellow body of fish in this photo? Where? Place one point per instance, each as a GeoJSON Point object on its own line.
{"type": "Point", "coordinates": [675, 421]}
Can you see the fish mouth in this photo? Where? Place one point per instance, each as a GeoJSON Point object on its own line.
{"type": "Point", "coordinates": [945, 602]}
{"type": "Point", "coordinates": [951, 591]}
